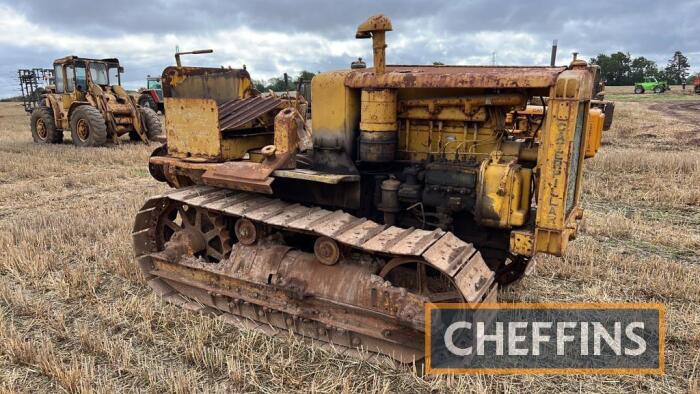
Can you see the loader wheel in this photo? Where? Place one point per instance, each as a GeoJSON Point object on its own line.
{"type": "Point", "coordinates": [44, 127]}
{"type": "Point", "coordinates": [638, 90]}
{"type": "Point", "coordinates": [659, 89]}
{"type": "Point", "coordinates": [153, 126]}
{"type": "Point", "coordinates": [88, 127]}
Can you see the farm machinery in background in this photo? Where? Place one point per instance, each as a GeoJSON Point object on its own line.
{"type": "Point", "coordinates": [696, 84]}
{"type": "Point", "coordinates": [152, 96]}
{"type": "Point", "coordinates": [87, 98]}
{"type": "Point", "coordinates": [420, 184]}
{"type": "Point", "coordinates": [651, 84]}
{"type": "Point", "coordinates": [33, 83]}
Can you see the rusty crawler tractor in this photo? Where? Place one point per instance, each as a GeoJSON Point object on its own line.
{"type": "Point", "coordinates": [415, 191]}
{"type": "Point", "coordinates": [87, 99]}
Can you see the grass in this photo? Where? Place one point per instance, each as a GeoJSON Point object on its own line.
{"type": "Point", "coordinates": [75, 315]}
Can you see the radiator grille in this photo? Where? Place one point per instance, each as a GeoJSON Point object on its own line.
{"type": "Point", "coordinates": [572, 177]}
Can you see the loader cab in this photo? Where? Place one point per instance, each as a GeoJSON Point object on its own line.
{"type": "Point", "coordinates": [71, 80]}
{"type": "Point", "coordinates": [74, 74]}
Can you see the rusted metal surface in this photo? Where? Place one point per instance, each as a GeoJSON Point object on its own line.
{"type": "Point", "coordinates": [252, 176]}
{"type": "Point", "coordinates": [288, 124]}
{"type": "Point", "coordinates": [219, 84]}
{"type": "Point", "coordinates": [301, 174]}
{"type": "Point", "coordinates": [347, 299]}
{"type": "Point", "coordinates": [238, 112]}
{"type": "Point", "coordinates": [469, 103]}
{"type": "Point", "coordinates": [375, 27]}
{"type": "Point", "coordinates": [245, 175]}
{"type": "Point", "coordinates": [315, 176]}
{"type": "Point", "coordinates": [192, 127]}
{"type": "Point", "coordinates": [409, 76]}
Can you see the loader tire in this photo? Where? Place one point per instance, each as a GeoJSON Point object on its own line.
{"type": "Point", "coordinates": [659, 89]}
{"type": "Point", "coordinates": [153, 126]}
{"type": "Point", "coordinates": [88, 127]}
{"type": "Point", "coordinates": [638, 90]}
{"type": "Point", "coordinates": [44, 127]}
{"type": "Point", "coordinates": [146, 101]}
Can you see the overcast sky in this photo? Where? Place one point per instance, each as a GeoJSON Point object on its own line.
{"type": "Point", "coordinates": [272, 37]}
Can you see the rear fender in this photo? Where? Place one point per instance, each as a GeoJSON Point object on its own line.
{"type": "Point", "coordinates": [57, 108]}
{"type": "Point", "coordinates": [74, 105]}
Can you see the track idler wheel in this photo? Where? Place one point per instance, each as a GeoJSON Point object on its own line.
{"type": "Point", "coordinates": [326, 250]}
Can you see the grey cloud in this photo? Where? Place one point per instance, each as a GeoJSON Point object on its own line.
{"type": "Point", "coordinates": [590, 27]}
{"type": "Point", "coordinates": [637, 25]}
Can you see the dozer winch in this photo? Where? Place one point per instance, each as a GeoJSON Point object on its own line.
{"type": "Point", "coordinates": [422, 184]}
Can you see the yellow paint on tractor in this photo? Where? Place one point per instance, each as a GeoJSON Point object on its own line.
{"type": "Point", "coordinates": [423, 184]}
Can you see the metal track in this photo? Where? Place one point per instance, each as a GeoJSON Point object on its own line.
{"type": "Point", "coordinates": [271, 287]}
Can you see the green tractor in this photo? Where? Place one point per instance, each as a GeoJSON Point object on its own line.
{"type": "Point", "coordinates": [650, 84]}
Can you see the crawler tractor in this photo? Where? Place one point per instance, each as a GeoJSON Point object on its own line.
{"type": "Point", "coordinates": [422, 184]}
{"type": "Point", "coordinates": [87, 98]}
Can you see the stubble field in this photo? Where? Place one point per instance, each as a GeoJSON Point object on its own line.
{"type": "Point", "coordinates": [75, 315]}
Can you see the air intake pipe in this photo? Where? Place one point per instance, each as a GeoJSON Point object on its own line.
{"type": "Point", "coordinates": [378, 128]}
{"type": "Point", "coordinates": [375, 27]}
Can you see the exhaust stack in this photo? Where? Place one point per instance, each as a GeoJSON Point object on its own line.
{"type": "Point", "coordinates": [553, 59]}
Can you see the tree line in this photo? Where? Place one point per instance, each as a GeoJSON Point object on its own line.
{"type": "Point", "coordinates": [621, 69]}
{"type": "Point", "coordinates": [278, 84]}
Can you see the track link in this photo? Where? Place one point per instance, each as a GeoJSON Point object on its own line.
{"type": "Point", "coordinates": [355, 303]}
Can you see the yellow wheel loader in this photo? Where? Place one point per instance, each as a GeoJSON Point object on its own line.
{"type": "Point", "coordinates": [422, 184]}
{"type": "Point", "coordinates": [87, 98]}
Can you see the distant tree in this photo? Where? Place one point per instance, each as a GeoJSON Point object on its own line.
{"type": "Point", "coordinates": [615, 68]}
{"type": "Point", "coordinates": [277, 84]}
{"type": "Point", "coordinates": [677, 69]}
{"type": "Point", "coordinates": [642, 67]}
{"type": "Point", "coordinates": [438, 64]}
{"type": "Point", "coordinates": [304, 76]}
{"type": "Point", "coordinates": [259, 85]}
